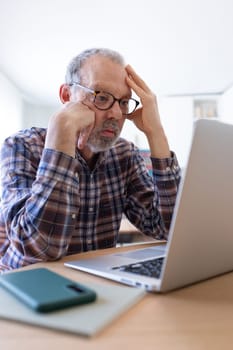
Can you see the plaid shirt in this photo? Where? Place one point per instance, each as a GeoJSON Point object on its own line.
{"type": "Point", "coordinates": [53, 205]}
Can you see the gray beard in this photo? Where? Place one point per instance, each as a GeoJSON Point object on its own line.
{"type": "Point", "coordinates": [98, 143]}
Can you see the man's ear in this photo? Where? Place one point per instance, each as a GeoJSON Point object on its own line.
{"type": "Point", "coordinates": [64, 93]}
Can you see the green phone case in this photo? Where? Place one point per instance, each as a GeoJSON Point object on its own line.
{"type": "Point", "coordinates": [44, 290]}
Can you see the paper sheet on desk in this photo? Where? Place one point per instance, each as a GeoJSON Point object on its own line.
{"type": "Point", "coordinates": [87, 320]}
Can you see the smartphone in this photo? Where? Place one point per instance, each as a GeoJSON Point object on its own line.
{"type": "Point", "coordinates": [44, 290]}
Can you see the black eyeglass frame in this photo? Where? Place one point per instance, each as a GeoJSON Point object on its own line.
{"type": "Point", "coordinates": [95, 92]}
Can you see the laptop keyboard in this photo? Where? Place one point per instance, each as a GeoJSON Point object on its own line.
{"type": "Point", "coordinates": [150, 268]}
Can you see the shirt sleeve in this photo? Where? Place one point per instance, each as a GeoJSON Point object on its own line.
{"type": "Point", "coordinates": [38, 206]}
{"type": "Point", "coordinates": [151, 197]}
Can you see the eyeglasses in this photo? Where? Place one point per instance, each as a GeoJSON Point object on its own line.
{"type": "Point", "coordinates": [104, 100]}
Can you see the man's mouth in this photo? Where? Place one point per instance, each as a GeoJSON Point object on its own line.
{"type": "Point", "coordinates": [108, 132]}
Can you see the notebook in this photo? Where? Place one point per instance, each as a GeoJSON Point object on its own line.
{"type": "Point", "coordinates": [86, 320]}
{"type": "Point", "coordinates": [201, 233]}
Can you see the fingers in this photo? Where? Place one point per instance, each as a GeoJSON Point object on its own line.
{"type": "Point", "coordinates": [84, 136]}
{"type": "Point", "coordinates": [135, 79]}
{"type": "Point", "coordinates": [85, 133]}
{"type": "Point", "coordinates": [138, 85]}
{"type": "Point", "coordinates": [82, 117]}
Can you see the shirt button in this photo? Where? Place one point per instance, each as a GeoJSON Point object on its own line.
{"type": "Point", "coordinates": [76, 175]}
{"type": "Point", "coordinates": [73, 216]}
{"type": "Point", "coordinates": [167, 168]}
{"type": "Point", "coordinates": [91, 209]}
{"type": "Point", "coordinates": [89, 241]}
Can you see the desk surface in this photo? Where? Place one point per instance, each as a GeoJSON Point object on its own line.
{"type": "Point", "coordinates": [195, 317]}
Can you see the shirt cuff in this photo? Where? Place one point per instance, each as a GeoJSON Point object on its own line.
{"type": "Point", "coordinates": [165, 165]}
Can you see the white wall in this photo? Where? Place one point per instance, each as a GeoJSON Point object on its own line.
{"type": "Point", "coordinates": [226, 106]}
{"type": "Point", "coordinates": [10, 108]}
{"type": "Point", "coordinates": [37, 115]}
{"type": "Point", "coordinates": [177, 118]}
{"type": "Point", "coordinates": [17, 113]}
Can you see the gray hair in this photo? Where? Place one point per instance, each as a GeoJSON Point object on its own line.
{"type": "Point", "coordinates": [73, 72]}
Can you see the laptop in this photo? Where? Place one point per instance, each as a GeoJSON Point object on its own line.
{"type": "Point", "coordinates": [200, 244]}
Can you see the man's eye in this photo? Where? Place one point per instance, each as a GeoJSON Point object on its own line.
{"type": "Point", "coordinates": [124, 103]}
{"type": "Point", "coordinates": [102, 98]}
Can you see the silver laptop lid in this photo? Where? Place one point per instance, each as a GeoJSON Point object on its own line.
{"type": "Point", "coordinates": [201, 238]}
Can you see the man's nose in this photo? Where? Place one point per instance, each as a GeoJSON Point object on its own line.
{"type": "Point", "coordinates": [115, 111]}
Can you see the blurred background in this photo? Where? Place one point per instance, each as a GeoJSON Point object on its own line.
{"type": "Point", "coordinates": [183, 49]}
